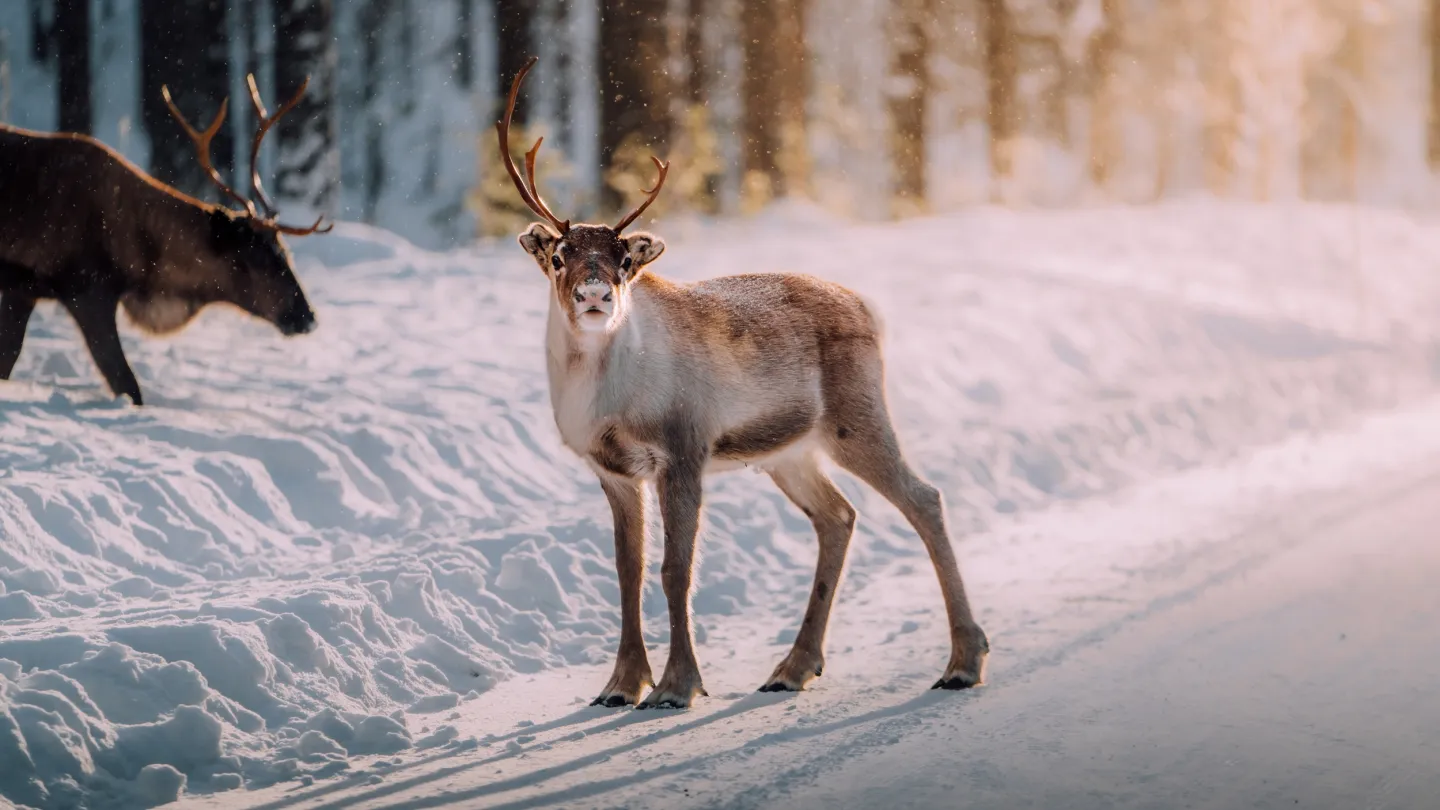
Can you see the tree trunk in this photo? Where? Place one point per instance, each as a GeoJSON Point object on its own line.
{"type": "Point", "coordinates": [760, 90]}
{"type": "Point", "coordinates": [307, 166]}
{"type": "Point", "coordinates": [513, 21]}
{"type": "Point", "coordinates": [375, 17]}
{"type": "Point", "coordinates": [40, 32]}
{"type": "Point", "coordinates": [583, 84]}
{"type": "Point", "coordinates": [720, 64]}
{"type": "Point", "coordinates": [793, 78]}
{"type": "Point", "coordinates": [1434, 36]}
{"type": "Point", "coordinates": [4, 76]}
{"type": "Point", "coordinates": [909, 41]}
{"type": "Point", "coordinates": [633, 85]}
{"type": "Point", "coordinates": [1223, 109]}
{"type": "Point", "coordinates": [465, 45]}
{"type": "Point", "coordinates": [183, 44]}
{"type": "Point", "coordinates": [72, 41]}
{"type": "Point", "coordinates": [1002, 69]}
{"type": "Point", "coordinates": [1104, 99]}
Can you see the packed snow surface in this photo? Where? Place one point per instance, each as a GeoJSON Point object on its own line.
{"type": "Point", "coordinates": [310, 550]}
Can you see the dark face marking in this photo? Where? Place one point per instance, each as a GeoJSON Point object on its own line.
{"type": "Point", "coordinates": [766, 435]}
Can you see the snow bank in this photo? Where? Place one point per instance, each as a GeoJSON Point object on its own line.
{"type": "Point", "coordinates": [306, 550]}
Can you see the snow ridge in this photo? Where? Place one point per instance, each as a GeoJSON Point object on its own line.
{"type": "Point", "coordinates": [307, 550]}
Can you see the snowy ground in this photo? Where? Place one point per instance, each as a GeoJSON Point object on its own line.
{"type": "Point", "coordinates": [329, 557]}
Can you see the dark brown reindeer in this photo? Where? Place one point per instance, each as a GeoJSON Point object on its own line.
{"type": "Point", "coordinates": [656, 381]}
{"type": "Point", "coordinates": [81, 225]}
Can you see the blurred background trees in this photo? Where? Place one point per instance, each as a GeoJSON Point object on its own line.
{"type": "Point", "coordinates": [872, 108]}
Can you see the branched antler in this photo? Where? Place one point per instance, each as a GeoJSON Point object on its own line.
{"type": "Point", "coordinates": [529, 194]}
{"type": "Point", "coordinates": [653, 192]}
{"type": "Point", "coordinates": [202, 147]}
{"type": "Point", "coordinates": [264, 122]}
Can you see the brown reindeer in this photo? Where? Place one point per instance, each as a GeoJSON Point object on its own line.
{"type": "Point", "coordinates": [81, 225]}
{"type": "Point", "coordinates": [651, 380]}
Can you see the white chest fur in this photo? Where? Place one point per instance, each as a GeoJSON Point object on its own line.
{"type": "Point", "coordinates": [573, 396]}
{"type": "Point", "coordinates": [575, 383]}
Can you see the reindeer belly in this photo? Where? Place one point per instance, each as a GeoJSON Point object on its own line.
{"type": "Point", "coordinates": [768, 439]}
{"type": "Point", "coordinates": [158, 313]}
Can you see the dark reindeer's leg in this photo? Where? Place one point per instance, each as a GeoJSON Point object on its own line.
{"type": "Point", "coordinates": [95, 315]}
{"type": "Point", "coordinates": [807, 486]}
{"type": "Point", "coordinates": [679, 489]}
{"type": "Point", "coordinates": [15, 309]}
{"type": "Point", "coordinates": [862, 440]}
{"type": "Point", "coordinates": [632, 666]}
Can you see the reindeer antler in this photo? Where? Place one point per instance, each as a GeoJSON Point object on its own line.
{"type": "Point", "coordinates": [265, 121]}
{"type": "Point", "coordinates": [202, 146]}
{"type": "Point", "coordinates": [664, 168]}
{"type": "Point", "coordinates": [529, 194]}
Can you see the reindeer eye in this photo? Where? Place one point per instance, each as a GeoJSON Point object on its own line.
{"type": "Point", "coordinates": [555, 261]}
{"type": "Point", "coordinates": [625, 263]}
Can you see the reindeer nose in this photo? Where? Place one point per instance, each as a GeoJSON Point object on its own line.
{"type": "Point", "coordinates": [593, 294]}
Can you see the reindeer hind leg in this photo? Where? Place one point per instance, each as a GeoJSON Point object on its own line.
{"type": "Point", "coordinates": [15, 309]}
{"type": "Point", "coordinates": [861, 438]}
{"type": "Point", "coordinates": [95, 315]}
{"type": "Point", "coordinates": [807, 486]}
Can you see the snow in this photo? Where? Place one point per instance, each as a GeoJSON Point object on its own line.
{"type": "Point", "coordinates": [309, 553]}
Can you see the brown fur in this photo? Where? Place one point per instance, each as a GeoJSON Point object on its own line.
{"type": "Point", "coordinates": [680, 379]}
{"type": "Point", "coordinates": [81, 225]}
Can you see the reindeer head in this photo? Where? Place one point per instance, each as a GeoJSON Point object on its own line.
{"type": "Point", "coordinates": [258, 272]}
{"type": "Point", "coordinates": [591, 267]}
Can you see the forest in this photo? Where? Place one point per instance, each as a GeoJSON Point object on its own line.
{"type": "Point", "coordinates": [873, 109]}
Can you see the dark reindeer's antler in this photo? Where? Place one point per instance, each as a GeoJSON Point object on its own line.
{"type": "Point", "coordinates": [202, 147]}
{"type": "Point", "coordinates": [529, 194]}
{"type": "Point", "coordinates": [264, 122]}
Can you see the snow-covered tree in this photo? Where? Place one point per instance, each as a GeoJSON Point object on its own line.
{"type": "Point", "coordinates": [307, 166]}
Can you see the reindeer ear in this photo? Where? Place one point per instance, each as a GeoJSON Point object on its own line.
{"type": "Point", "coordinates": [540, 241]}
{"type": "Point", "coordinates": [641, 249]}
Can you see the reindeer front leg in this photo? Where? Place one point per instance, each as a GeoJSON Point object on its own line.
{"type": "Point", "coordinates": [632, 665]}
{"type": "Point", "coordinates": [679, 489]}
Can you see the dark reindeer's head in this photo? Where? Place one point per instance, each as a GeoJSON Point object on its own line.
{"type": "Point", "coordinates": [260, 273]}
{"type": "Point", "coordinates": [591, 267]}
{"type": "Point", "coordinates": [246, 248]}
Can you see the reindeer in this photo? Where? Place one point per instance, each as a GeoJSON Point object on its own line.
{"type": "Point", "coordinates": [651, 380]}
{"type": "Point", "coordinates": [81, 225]}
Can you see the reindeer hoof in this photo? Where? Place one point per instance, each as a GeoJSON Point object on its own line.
{"type": "Point", "coordinates": [664, 697]}
{"type": "Point", "coordinates": [776, 686]}
{"type": "Point", "coordinates": [610, 701]}
{"type": "Point", "coordinates": [957, 682]}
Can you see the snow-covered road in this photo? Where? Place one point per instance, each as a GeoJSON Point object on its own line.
{"type": "Point", "coordinates": [1254, 635]}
